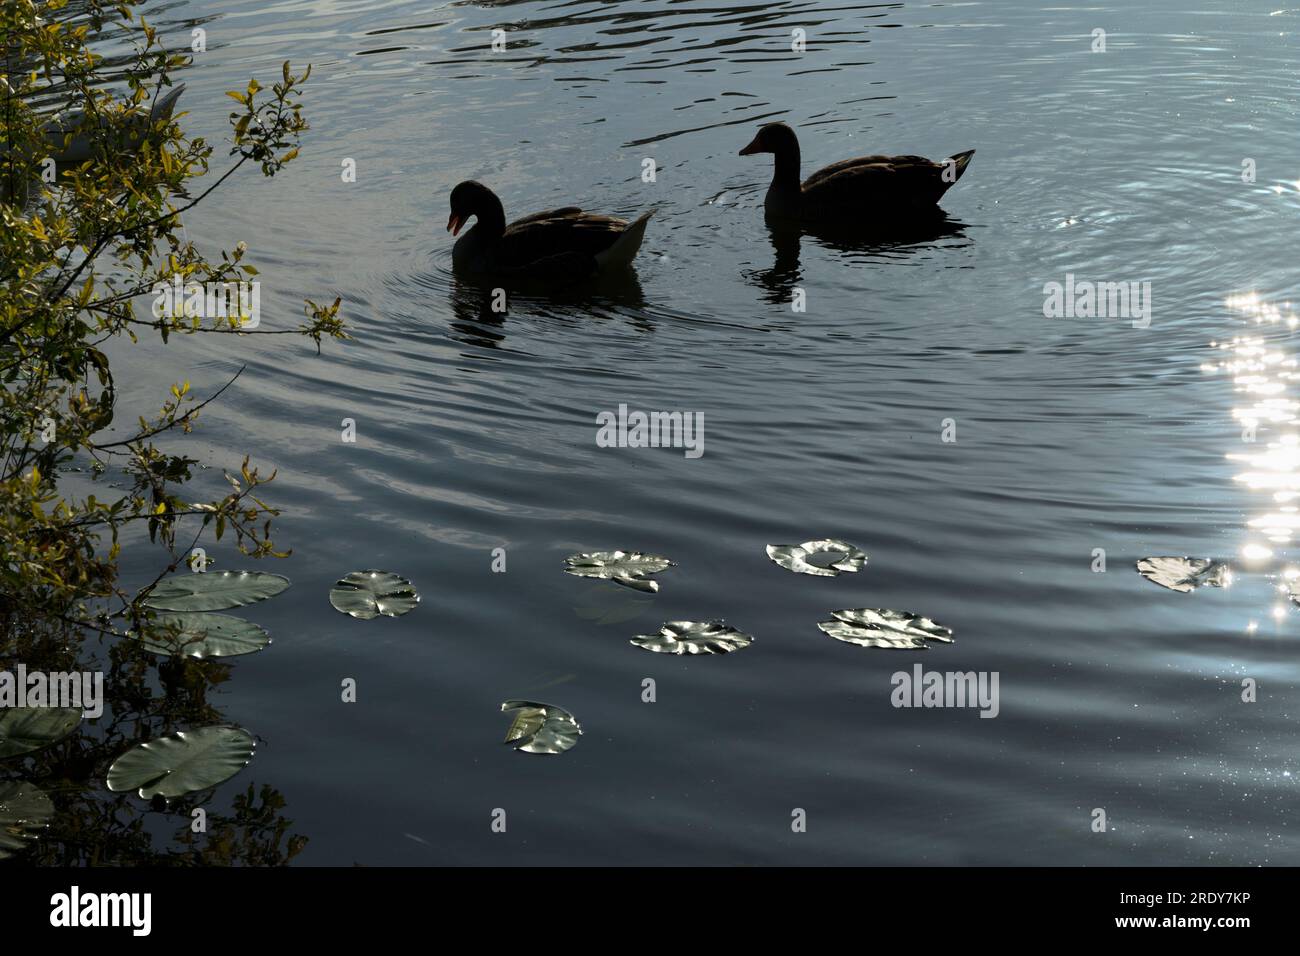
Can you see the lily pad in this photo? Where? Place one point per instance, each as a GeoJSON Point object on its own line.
{"type": "Point", "coordinates": [1185, 574]}
{"type": "Point", "coordinates": [882, 627]}
{"type": "Point", "coordinates": [368, 594]}
{"type": "Point", "coordinates": [25, 811]}
{"type": "Point", "coordinates": [825, 558]}
{"type": "Point", "coordinates": [215, 590]}
{"type": "Point", "coordinates": [24, 729]}
{"type": "Point", "coordinates": [208, 635]}
{"type": "Point", "coordinates": [541, 728]}
{"type": "Point", "coordinates": [632, 569]}
{"type": "Point", "coordinates": [183, 762]}
{"type": "Point", "coordinates": [694, 637]}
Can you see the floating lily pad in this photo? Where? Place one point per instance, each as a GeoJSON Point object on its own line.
{"type": "Point", "coordinates": [368, 594]}
{"type": "Point", "coordinates": [694, 637]}
{"type": "Point", "coordinates": [541, 728]}
{"type": "Point", "coordinates": [826, 558]}
{"type": "Point", "coordinates": [882, 627]}
{"type": "Point", "coordinates": [182, 762]}
{"type": "Point", "coordinates": [215, 590]}
{"type": "Point", "coordinates": [24, 729]}
{"type": "Point", "coordinates": [632, 569]}
{"type": "Point", "coordinates": [208, 635]}
{"type": "Point", "coordinates": [1185, 574]}
{"type": "Point", "coordinates": [25, 812]}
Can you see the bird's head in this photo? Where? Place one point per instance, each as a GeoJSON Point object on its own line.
{"type": "Point", "coordinates": [771, 138]}
{"type": "Point", "coordinates": [469, 199]}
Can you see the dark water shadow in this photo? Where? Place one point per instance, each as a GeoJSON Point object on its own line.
{"type": "Point", "coordinates": [145, 697]}
{"type": "Point", "coordinates": [857, 243]}
{"type": "Point", "coordinates": [480, 307]}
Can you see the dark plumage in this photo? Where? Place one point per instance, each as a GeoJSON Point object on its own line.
{"type": "Point", "coordinates": [556, 246]}
{"type": "Point", "coordinates": [870, 190]}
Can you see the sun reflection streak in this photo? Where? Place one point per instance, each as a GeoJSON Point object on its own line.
{"type": "Point", "coordinates": [1262, 375]}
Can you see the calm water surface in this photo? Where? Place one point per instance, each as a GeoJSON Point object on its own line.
{"type": "Point", "coordinates": [477, 431]}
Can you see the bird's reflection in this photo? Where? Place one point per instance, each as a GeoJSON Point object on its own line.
{"type": "Point", "coordinates": [862, 242]}
{"type": "Point", "coordinates": [474, 321]}
{"type": "Point", "coordinates": [480, 309]}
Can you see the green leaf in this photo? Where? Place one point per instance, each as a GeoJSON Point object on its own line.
{"type": "Point", "coordinates": [207, 635]}
{"type": "Point", "coordinates": [24, 729]}
{"type": "Point", "coordinates": [541, 728]}
{"type": "Point", "coordinates": [632, 569]}
{"type": "Point", "coordinates": [883, 627]}
{"type": "Point", "coordinates": [182, 762]}
{"type": "Point", "coordinates": [694, 637]}
{"type": "Point", "coordinates": [215, 590]}
{"type": "Point", "coordinates": [368, 594]}
{"type": "Point", "coordinates": [1184, 574]}
{"type": "Point", "coordinates": [826, 557]}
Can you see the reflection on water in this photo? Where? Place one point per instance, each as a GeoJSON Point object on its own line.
{"type": "Point", "coordinates": [481, 309]}
{"type": "Point", "coordinates": [855, 245]}
{"type": "Point", "coordinates": [476, 429]}
{"type": "Point", "coordinates": [92, 826]}
{"type": "Point", "coordinates": [1262, 369]}
{"type": "Point", "coordinates": [119, 57]}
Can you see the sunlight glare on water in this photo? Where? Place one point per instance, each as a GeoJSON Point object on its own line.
{"type": "Point", "coordinates": [476, 430]}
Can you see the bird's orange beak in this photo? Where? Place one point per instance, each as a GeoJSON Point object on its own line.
{"type": "Point", "coordinates": [454, 222]}
{"type": "Point", "coordinates": [752, 148]}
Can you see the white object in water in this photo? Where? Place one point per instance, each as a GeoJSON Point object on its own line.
{"type": "Point", "coordinates": [80, 147]}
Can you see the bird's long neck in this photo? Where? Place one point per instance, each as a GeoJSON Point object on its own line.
{"type": "Point", "coordinates": [491, 217]}
{"type": "Point", "coordinates": [786, 176]}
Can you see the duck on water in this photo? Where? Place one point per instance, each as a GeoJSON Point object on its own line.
{"type": "Point", "coordinates": [559, 245]}
{"type": "Point", "coordinates": [869, 191]}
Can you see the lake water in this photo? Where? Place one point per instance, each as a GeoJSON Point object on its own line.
{"type": "Point", "coordinates": [477, 431]}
